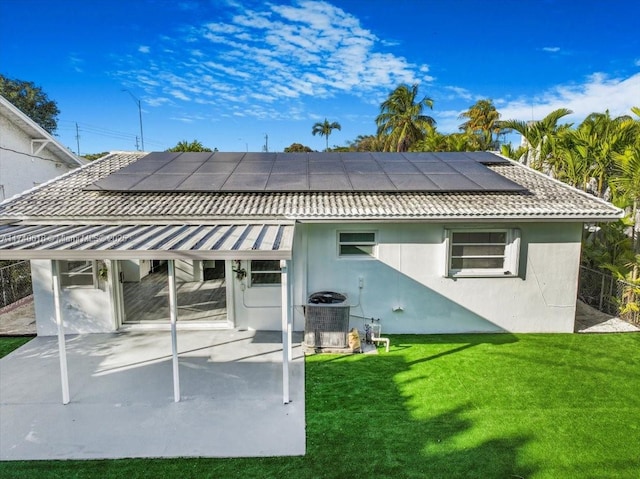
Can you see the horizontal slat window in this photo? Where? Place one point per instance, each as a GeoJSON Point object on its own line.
{"type": "Point", "coordinates": [354, 244]}
{"type": "Point", "coordinates": [265, 272]}
{"type": "Point", "coordinates": [483, 253]}
{"type": "Point", "coordinates": [78, 274]}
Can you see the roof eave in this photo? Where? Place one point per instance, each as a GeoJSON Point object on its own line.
{"type": "Point", "coordinates": [204, 220]}
{"type": "Point", "coordinates": [38, 133]}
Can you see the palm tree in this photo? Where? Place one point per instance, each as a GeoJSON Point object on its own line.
{"type": "Point", "coordinates": [599, 138]}
{"type": "Point", "coordinates": [324, 129]}
{"type": "Point", "coordinates": [185, 146]}
{"type": "Point", "coordinates": [482, 120]}
{"type": "Point", "coordinates": [540, 137]}
{"type": "Point", "coordinates": [401, 122]}
{"type": "Point", "coordinates": [626, 186]}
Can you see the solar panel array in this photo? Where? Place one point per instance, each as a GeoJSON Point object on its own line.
{"type": "Point", "coordinates": [337, 172]}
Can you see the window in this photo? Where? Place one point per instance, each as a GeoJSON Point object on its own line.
{"type": "Point", "coordinates": [483, 252]}
{"type": "Point", "coordinates": [78, 274]}
{"type": "Point", "coordinates": [354, 244]}
{"type": "Point", "coordinates": [264, 272]}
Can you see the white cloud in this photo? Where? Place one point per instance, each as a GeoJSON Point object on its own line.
{"type": "Point", "coordinates": [637, 62]}
{"type": "Point", "coordinates": [597, 94]}
{"type": "Point", "coordinates": [448, 121]}
{"type": "Point", "coordinates": [222, 28]}
{"type": "Point", "coordinates": [551, 49]}
{"type": "Point", "coordinates": [178, 94]}
{"type": "Point", "coordinates": [459, 92]}
{"type": "Point", "coordinates": [182, 119]}
{"type": "Point", "coordinates": [76, 63]}
{"type": "Point", "coordinates": [158, 101]}
{"type": "Point", "coordinates": [228, 70]}
{"type": "Point", "coordinates": [270, 55]}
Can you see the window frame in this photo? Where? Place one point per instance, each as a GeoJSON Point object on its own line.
{"type": "Point", "coordinates": [510, 268]}
{"type": "Point", "coordinates": [366, 256]}
{"type": "Point", "coordinates": [90, 268]}
{"type": "Point", "coordinates": [251, 272]}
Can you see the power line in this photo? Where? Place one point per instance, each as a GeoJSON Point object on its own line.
{"type": "Point", "coordinates": [29, 155]}
{"type": "Point", "coordinates": [137, 101]}
{"type": "Point", "coordinates": [106, 132]}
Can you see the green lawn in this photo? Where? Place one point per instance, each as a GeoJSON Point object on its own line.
{"type": "Point", "coordinates": [8, 344]}
{"type": "Point", "coordinates": [474, 406]}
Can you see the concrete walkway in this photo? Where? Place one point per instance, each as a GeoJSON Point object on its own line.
{"type": "Point", "coordinates": [122, 397]}
{"type": "Point", "coordinates": [19, 318]}
{"type": "Point", "coordinates": [590, 320]}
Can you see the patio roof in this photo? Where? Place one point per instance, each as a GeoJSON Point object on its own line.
{"type": "Point", "coordinates": [151, 241]}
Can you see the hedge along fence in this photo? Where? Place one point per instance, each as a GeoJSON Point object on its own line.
{"type": "Point", "coordinates": [609, 294]}
{"type": "Point", "coordinates": [15, 282]}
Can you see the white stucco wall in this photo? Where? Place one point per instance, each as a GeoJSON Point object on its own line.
{"type": "Point", "coordinates": [409, 272]}
{"type": "Point", "coordinates": [255, 307]}
{"type": "Point", "coordinates": [84, 310]}
{"type": "Point", "coordinates": [20, 172]}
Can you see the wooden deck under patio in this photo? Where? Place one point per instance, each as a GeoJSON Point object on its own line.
{"type": "Point", "coordinates": [147, 301]}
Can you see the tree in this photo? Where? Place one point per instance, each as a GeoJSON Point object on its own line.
{"type": "Point", "coordinates": [185, 146]}
{"type": "Point", "coordinates": [401, 122]}
{"type": "Point", "coordinates": [365, 143]}
{"type": "Point", "coordinates": [598, 139]}
{"type": "Point", "coordinates": [32, 101]}
{"type": "Point", "coordinates": [324, 129]}
{"type": "Point", "coordinates": [436, 141]}
{"type": "Point", "coordinates": [482, 121]}
{"type": "Point", "coordinates": [540, 136]}
{"type": "Point", "coordinates": [626, 186]}
{"type": "Point", "coordinates": [297, 148]}
{"type": "Point", "coordinates": [95, 156]}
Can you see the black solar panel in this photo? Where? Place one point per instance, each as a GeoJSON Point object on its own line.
{"type": "Point", "coordinates": [273, 172]}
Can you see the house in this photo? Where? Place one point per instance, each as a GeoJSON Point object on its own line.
{"type": "Point", "coordinates": [29, 155]}
{"type": "Point", "coordinates": [426, 242]}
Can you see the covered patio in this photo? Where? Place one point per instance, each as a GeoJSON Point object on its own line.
{"type": "Point", "coordinates": [153, 393]}
{"type": "Point", "coordinates": [121, 397]}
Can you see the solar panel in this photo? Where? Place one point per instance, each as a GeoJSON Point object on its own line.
{"type": "Point", "coordinates": [371, 182]}
{"type": "Point", "coordinates": [272, 172]}
{"type": "Point", "coordinates": [400, 167]}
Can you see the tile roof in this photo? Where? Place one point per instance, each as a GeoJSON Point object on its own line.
{"type": "Point", "coordinates": [65, 200]}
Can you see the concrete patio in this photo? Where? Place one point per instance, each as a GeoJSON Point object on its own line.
{"type": "Point", "coordinates": [122, 397]}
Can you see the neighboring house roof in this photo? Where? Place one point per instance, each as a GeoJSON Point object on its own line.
{"type": "Point", "coordinates": [66, 200]}
{"type": "Point", "coordinates": [36, 132]}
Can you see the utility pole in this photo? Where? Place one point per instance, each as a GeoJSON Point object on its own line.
{"type": "Point", "coordinates": [78, 138]}
{"type": "Point", "coordinates": [137, 102]}
{"type": "Point", "coordinates": [137, 146]}
{"type": "Point", "coordinates": [266, 143]}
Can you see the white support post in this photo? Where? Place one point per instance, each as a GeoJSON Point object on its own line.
{"type": "Point", "coordinates": [284, 287]}
{"type": "Point", "coordinates": [62, 348]}
{"type": "Point", "coordinates": [173, 315]}
{"type": "Point", "coordinates": [290, 330]}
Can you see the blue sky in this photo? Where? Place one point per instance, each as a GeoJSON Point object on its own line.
{"type": "Point", "coordinates": [229, 72]}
